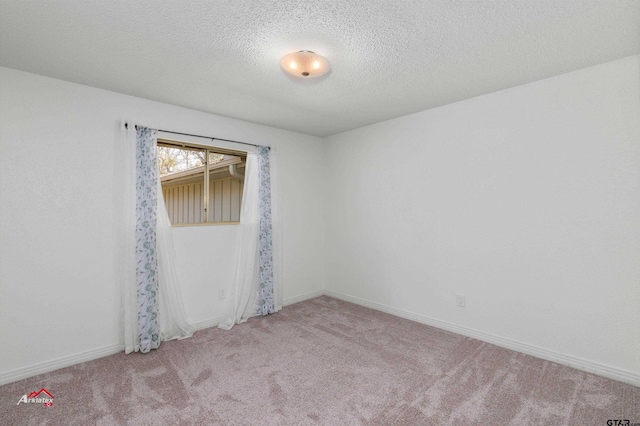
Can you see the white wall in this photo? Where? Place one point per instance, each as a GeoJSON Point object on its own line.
{"type": "Point", "coordinates": [59, 299]}
{"type": "Point", "coordinates": [527, 201]}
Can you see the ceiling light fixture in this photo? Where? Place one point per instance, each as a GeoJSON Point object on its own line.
{"type": "Point", "coordinates": [305, 64]}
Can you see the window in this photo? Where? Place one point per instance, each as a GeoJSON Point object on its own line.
{"type": "Point", "coordinates": [200, 184]}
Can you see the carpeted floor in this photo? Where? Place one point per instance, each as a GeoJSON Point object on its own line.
{"type": "Point", "coordinates": [325, 362]}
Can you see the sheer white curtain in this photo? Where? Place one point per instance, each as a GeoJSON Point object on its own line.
{"type": "Point", "coordinates": [125, 220]}
{"type": "Point", "coordinates": [245, 286]}
{"type": "Point", "coordinates": [171, 314]}
{"type": "Point", "coordinates": [256, 288]}
{"type": "Point", "coordinates": [170, 320]}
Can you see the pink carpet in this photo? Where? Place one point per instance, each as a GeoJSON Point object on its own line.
{"type": "Point", "coordinates": [324, 362]}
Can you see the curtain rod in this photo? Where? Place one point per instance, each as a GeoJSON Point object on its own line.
{"type": "Point", "coordinates": [126, 125]}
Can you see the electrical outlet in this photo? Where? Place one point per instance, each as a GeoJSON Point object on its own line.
{"type": "Point", "coordinates": [460, 300]}
{"type": "Point", "coordinates": [222, 294]}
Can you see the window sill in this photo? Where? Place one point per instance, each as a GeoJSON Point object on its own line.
{"type": "Point", "coordinates": [184, 225]}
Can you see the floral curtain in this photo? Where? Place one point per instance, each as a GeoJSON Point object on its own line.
{"type": "Point", "coordinates": [265, 251]}
{"type": "Point", "coordinates": [152, 308]}
{"type": "Point", "coordinates": [145, 251]}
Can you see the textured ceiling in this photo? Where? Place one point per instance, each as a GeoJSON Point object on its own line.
{"type": "Point", "coordinates": [389, 58]}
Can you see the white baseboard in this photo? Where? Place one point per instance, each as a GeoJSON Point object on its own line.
{"type": "Point", "coordinates": [213, 322]}
{"type": "Point", "coordinates": [55, 364]}
{"type": "Point", "coordinates": [536, 351]}
{"type": "Point", "coordinates": [69, 360]}
{"type": "Point", "coordinates": [303, 297]}
{"type": "Point", "coordinates": [570, 361]}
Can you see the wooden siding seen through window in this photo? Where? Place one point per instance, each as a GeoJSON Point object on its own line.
{"type": "Point", "coordinates": [184, 202]}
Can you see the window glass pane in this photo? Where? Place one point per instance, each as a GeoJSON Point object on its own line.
{"type": "Point", "coordinates": [216, 158]}
{"type": "Point", "coordinates": [175, 160]}
{"type": "Point", "coordinates": [184, 188]}
{"type": "Point", "coordinates": [182, 179]}
{"type": "Point", "coordinates": [225, 190]}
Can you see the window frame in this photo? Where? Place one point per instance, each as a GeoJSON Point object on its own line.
{"type": "Point", "coordinates": [208, 149]}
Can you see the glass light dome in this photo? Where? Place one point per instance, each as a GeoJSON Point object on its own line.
{"type": "Point", "coordinates": [305, 64]}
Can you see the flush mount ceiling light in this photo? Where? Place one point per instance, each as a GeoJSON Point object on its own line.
{"type": "Point", "coordinates": [305, 64]}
